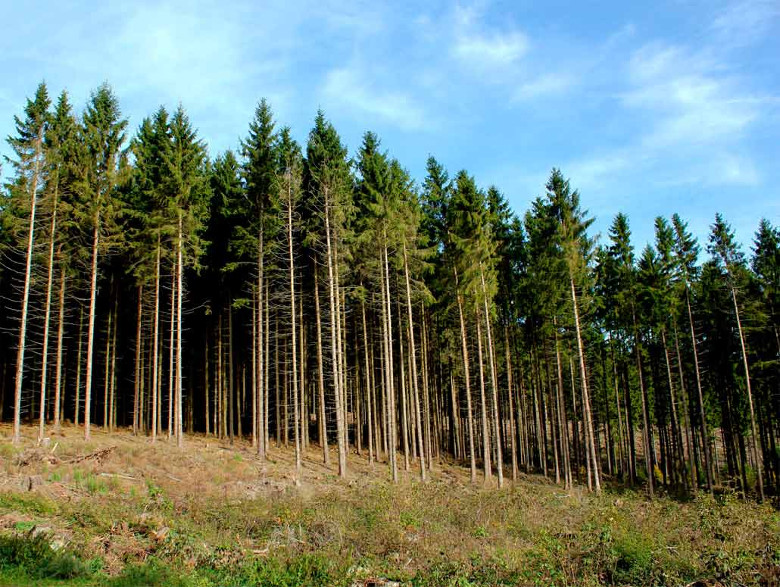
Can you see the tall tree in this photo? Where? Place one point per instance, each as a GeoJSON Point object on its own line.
{"type": "Point", "coordinates": [102, 135]}
{"type": "Point", "coordinates": [28, 146]}
{"type": "Point", "coordinates": [726, 253]}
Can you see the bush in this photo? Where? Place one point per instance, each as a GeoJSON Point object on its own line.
{"type": "Point", "coordinates": [34, 556]}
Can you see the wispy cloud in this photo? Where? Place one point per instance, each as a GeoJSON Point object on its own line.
{"type": "Point", "coordinates": [745, 22]}
{"type": "Point", "coordinates": [545, 85]}
{"type": "Point", "coordinates": [691, 98]}
{"type": "Point", "coordinates": [350, 88]}
{"type": "Point", "coordinates": [479, 47]}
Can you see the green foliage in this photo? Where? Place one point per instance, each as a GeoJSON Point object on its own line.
{"type": "Point", "coordinates": [33, 556]}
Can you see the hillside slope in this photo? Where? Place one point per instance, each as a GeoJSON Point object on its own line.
{"type": "Point", "coordinates": [119, 510]}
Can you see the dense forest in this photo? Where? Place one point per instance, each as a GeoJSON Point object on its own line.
{"type": "Point", "coordinates": [296, 295]}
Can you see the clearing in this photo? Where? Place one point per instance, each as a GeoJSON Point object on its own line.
{"type": "Point", "coordinates": [119, 510]}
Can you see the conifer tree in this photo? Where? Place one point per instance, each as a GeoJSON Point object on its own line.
{"type": "Point", "coordinates": [102, 135]}
{"type": "Point", "coordinates": [731, 260]}
{"type": "Point", "coordinates": [28, 146]}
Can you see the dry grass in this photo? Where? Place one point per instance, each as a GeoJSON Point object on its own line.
{"type": "Point", "coordinates": [211, 511]}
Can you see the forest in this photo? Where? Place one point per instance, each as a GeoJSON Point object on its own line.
{"type": "Point", "coordinates": [302, 296]}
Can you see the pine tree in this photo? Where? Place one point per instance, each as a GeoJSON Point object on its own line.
{"type": "Point", "coordinates": [253, 237]}
{"type": "Point", "coordinates": [102, 134]}
{"type": "Point", "coordinates": [28, 147]}
{"type": "Point", "coordinates": [575, 248]}
{"type": "Point", "coordinates": [727, 255]}
{"type": "Point", "coordinates": [327, 186]}
{"type": "Point", "coordinates": [186, 182]}
{"type": "Point", "coordinates": [60, 149]}
{"type": "Point", "coordinates": [686, 252]}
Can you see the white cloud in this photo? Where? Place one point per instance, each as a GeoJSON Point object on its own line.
{"type": "Point", "coordinates": [497, 50]}
{"type": "Point", "coordinates": [545, 85]}
{"type": "Point", "coordinates": [691, 98]}
{"type": "Point", "coordinates": [479, 48]}
{"type": "Point", "coordinates": [350, 88]}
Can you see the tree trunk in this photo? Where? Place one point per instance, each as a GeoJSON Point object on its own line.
{"type": "Point", "coordinates": [60, 337]}
{"type": "Point", "coordinates": [47, 321]}
{"type": "Point", "coordinates": [155, 347]}
{"type": "Point", "coordinates": [171, 350]}
{"type": "Point", "coordinates": [390, 412]}
{"type": "Point", "coordinates": [493, 384]}
{"type": "Point", "coordinates": [323, 425]}
{"type": "Point", "coordinates": [138, 370]}
{"type": "Point", "coordinates": [294, 343]}
{"type": "Point", "coordinates": [511, 407]}
{"type": "Point", "coordinates": [488, 472]}
{"type": "Point", "coordinates": [756, 452]}
{"type": "Point", "coordinates": [586, 407]}
{"type": "Point", "coordinates": [78, 367]}
{"type": "Point", "coordinates": [26, 295]}
{"type": "Point", "coordinates": [702, 418]}
{"type": "Point", "coordinates": [335, 343]}
{"type": "Point", "coordinates": [413, 356]}
{"type": "Point", "coordinates": [91, 327]}
{"type": "Point", "coordinates": [179, 357]}
{"type": "Point", "coordinates": [465, 352]}
{"type": "Point", "coordinates": [645, 416]}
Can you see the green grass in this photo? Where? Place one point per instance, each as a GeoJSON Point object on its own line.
{"type": "Point", "coordinates": [152, 530]}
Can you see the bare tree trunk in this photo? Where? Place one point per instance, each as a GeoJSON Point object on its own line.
{"type": "Point", "coordinates": [171, 349]}
{"type": "Point", "coordinates": [112, 380]}
{"type": "Point", "coordinates": [483, 405]}
{"type": "Point", "coordinates": [261, 356]}
{"type": "Point", "coordinates": [756, 452]}
{"type": "Point", "coordinates": [207, 385]}
{"type": "Point", "coordinates": [26, 294]}
{"type": "Point", "coordinates": [388, 367]}
{"type": "Point", "coordinates": [688, 443]}
{"type": "Point", "coordinates": [676, 434]}
{"type": "Point", "coordinates": [586, 408]}
{"type": "Point", "coordinates": [107, 368]}
{"type": "Point", "coordinates": [47, 321]}
{"type": "Point", "coordinates": [254, 372]}
{"type": "Point", "coordinates": [465, 351]}
{"type": "Point", "coordinates": [156, 347]}
{"type": "Point", "coordinates": [231, 398]}
{"type": "Point", "coordinates": [702, 418]}
{"type": "Point", "coordinates": [368, 385]}
{"type": "Point", "coordinates": [58, 369]}
{"type": "Point", "coordinates": [138, 373]}
{"type": "Point", "coordinates": [562, 426]}
{"type": "Point", "coordinates": [304, 396]}
{"type": "Point", "coordinates": [426, 388]}
{"type": "Point", "coordinates": [335, 319]}
{"type": "Point", "coordinates": [179, 357]}
{"type": "Point", "coordinates": [413, 356]}
{"type": "Point", "coordinates": [323, 425]}
{"type": "Point", "coordinates": [494, 385]}
{"type": "Point", "coordinates": [267, 366]}
{"type": "Point", "coordinates": [511, 408]}
{"type": "Point", "coordinates": [91, 327]}
{"type": "Point", "coordinates": [78, 367]}
{"type": "Point", "coordinates": [645, 416]}
{"type": "Point", "coordinates": [294, 343]}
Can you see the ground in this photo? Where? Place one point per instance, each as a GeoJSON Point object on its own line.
{"type": "Point", "coordinates": [118, 510]}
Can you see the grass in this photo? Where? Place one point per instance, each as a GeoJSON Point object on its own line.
{"type": "Point", "coordinates": [211, 515]}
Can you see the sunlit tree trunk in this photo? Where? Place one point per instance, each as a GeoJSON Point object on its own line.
{"type": "Point", "coordinates": [60, 337]}
{"type": "Point", "coordinates": [26, 291]}
{"type": "Point", "coordinates": [590, 438]}
{"type": "Point", "coordinates": [91, 327]}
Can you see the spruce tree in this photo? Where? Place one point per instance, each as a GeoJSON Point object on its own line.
{"type": "Point", "coordinates": [29, 163]}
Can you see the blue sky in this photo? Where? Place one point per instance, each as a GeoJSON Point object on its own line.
{"type": "Point", "coordinates": [649, 107]}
